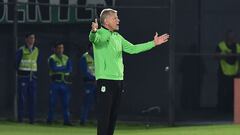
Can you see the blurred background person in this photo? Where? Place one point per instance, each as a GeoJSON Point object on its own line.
{"type": "Point", "coordinates": [227, 70]}
{"type": "Point", "coordinates": [88, 70]}
{"type": "Point", "coordinates": [60, 69]}
{"type": "Point", "coordinates": [27, 58]}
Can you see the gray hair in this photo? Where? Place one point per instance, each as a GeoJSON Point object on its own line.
{"type": "Point", "coordinates": [105, 13]}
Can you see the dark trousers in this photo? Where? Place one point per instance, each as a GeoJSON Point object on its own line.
{"type": "Point", "coordinates": [89, 99]}
{"type": "Point", "coordinates": [26, 95]}
{"type": "Point", "coordinates": [59, 90]}
{"type": "Point", "coordinates": [108, 101]}
{"type": "Point", "coordinates": [225, 93]}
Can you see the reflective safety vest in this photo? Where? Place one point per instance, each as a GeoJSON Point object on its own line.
{"type": "Point", "coordinates": [228, 69]}
{"type": "Point", "coordinates": [90, 63]}
{"type": "Point", "coordinates": [29, 59]}
{"type": "Point", "coordinates": [59, 76]}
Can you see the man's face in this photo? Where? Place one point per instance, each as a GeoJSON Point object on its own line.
{"type": "Point", "coordinates": [30, 40]}
{"type": "Point", "coordinates": [112, 22]}
{"type": "Point", "coordinates": [59, 49]}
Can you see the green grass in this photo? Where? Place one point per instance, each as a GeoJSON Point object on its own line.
{"type": "Point", "coordinates": [11, 128]}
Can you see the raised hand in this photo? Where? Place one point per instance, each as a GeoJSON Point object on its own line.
{"type": "Point", "coordinates": [158, 40]}
{"type": "Point", "coordinates": [94, 25]}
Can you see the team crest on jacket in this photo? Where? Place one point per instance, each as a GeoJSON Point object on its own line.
{"type": "Point", "coordinates": [103, 89]}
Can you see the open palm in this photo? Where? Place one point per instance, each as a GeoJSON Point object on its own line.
{"type": "Point", "coordinates": [158, 40]}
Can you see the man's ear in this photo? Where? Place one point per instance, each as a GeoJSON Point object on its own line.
{"type": "Point", "coordinates": [105, 21]}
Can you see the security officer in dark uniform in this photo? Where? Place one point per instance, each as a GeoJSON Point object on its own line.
{"type": "Point", "coordinates": [26, 65]}
{"type": "Point", "coordinates": [60, 69]}
{"type": "Point", "coordinates": [228, 69]}
{"type": "Point", "coordinates": [88, 70]}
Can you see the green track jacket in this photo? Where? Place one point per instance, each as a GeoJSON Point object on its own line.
{"type": "Point", "coordinates": [108, 47]}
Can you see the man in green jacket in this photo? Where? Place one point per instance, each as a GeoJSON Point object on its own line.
{"type": "Point", "coordinates": [108, 47]}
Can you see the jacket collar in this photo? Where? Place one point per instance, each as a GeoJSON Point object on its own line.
{"type": "Point", "coordinates": [31, 48]}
